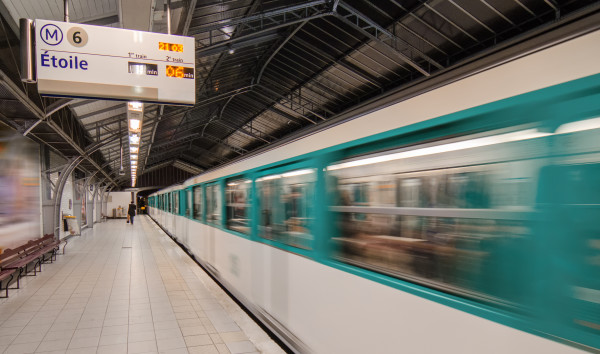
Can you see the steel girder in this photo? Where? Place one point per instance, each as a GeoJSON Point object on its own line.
{"type": "Point", "coordinates": [167, 153]}
{"type": "Point", "coordinates": [405, 51]}
{"type": "Point", "coordinates": [32, 107]}
{"type": "Point", "coordinates": [103, 110]}
{"type": "Point", "coordinates": [191, 137]}
{"type": "Point", "coordinates": [77, 148]}
{"type": "Point", "coordinates": [177, 163]}
{"type": "Point", "coordinates": [303, 13]}
{"type": "Point", "coordinates": [260, 22]}
{"type": "Point", "coordinates": [179, 153]}
{"type": "Point", "coordinates": [294, 101]}
{"type": "Point", "coordinates": [62, 179]}
{"type": "Point", "coordinates": [159, 166]}
{"type": "Point", "coordinates": [187, 167]}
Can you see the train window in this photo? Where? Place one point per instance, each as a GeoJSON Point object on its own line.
{"type": "Point", "coordinates": [237, 194]}
{"type": "Point", "coordinates": [445, 227]}
{"type": "Point", "coordinates": [198, 199]}
{"type": "Point", "coordinates": [213, 203]}
{"type": "Point", "coordinates": [176, 202]}
{"type": "Point", "coordinates": [188, 202]}
{"type": "Point", "coordinates": [286, 207]}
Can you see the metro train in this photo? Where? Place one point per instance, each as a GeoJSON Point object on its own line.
{"type": "Point", "coordinates": [463, 219]}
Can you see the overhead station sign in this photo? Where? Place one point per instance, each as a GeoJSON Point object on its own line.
{"type": "Point", "coordinates": [76, 60]}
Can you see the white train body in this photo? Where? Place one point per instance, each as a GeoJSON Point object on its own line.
{"type": "Point", "coordinates": [321, 308]}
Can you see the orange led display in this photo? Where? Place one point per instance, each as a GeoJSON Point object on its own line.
{"type": "Point", "coordinates": [171, 47]}
{"type": "Point", "coordinates": [180, 72]}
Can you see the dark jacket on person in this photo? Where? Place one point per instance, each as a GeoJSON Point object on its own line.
{"type": "Point", "coordinates": [131, 210]}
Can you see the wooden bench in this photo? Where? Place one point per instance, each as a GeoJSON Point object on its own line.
{"type": "Point", "coordinates": [49, 244]}
{"type": "Point", "coordinates": [17, 260]}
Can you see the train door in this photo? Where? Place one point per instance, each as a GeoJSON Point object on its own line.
{"type": "Point", "coordinates": [214, 218]}
{"type": "Point", "coordinates": [285, 220]}
{"type": "Point", "coordinates": [175, 215]}
{"type": "Point", "coordinates": [187, 212]}
{"type": "Point", "coordinates": [197, 228]}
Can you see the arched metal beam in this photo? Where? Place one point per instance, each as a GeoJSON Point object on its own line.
{"type": "Point", "coordinates": [292, 34]}
{"type": "Point", "coordinates": [64, 175]}
{"type": "Point", "coordinates": [101, 197]}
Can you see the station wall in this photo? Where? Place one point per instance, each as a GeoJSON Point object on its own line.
{"type": "Point", "coordinates": [116, 200]}
{"type": "Point", "coordinates": [20, 212]}
{"type": "Point", "coordinates": [29, 177]}
{"type": "Point", "coordinates": [66, 204]}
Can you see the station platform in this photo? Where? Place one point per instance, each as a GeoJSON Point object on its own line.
{"type": "Point", "coordinates": [124, 288]}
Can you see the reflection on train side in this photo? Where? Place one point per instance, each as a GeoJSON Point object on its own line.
{"type": "Point", "coordinates": [286, 207]}
{"type": "Point", "coordinates": [445, 216]}
{"type": "Point", "coordinates": [213, 203]}
{"type": "Point", "coordinates": [237, 194]}
{"type": "Point", "coordinates": [198, 202]}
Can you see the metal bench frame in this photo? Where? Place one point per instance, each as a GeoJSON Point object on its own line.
{"type": "Point", "coordinates": [17, 260]}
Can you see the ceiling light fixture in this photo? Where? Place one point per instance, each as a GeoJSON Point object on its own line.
{"type": "Point", "coordinates": [135, 116]}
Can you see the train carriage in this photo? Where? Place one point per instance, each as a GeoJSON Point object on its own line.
{"type": "Point", "coordinates": [460, 218]}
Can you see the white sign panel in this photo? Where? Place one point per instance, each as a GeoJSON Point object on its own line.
{"type": "Point", "coordinates": [76, 60]}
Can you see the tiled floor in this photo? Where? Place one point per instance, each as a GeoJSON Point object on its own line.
{"type": "Point", "coordinates": [125, 289]}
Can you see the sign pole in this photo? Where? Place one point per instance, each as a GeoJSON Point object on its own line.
{"type": "Point", "coordinates": [168, 16]}
{"type": "Point", "coordinates": [27, 51]}
{"type": "Point", "coordinates": [66, 10]}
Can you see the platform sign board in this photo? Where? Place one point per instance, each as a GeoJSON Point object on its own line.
{"type": "Point", "coordinates": [76, 60]}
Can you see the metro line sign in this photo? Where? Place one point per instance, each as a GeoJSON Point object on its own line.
{"type": "Point", "coordinates": [76, 60]}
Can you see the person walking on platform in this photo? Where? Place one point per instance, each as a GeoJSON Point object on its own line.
{"type": "Point", "coordinates": [131, 212]}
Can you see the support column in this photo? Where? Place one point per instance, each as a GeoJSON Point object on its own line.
{"type": "Point", "coordinates": [100, 200]}
{"type": "Point", "coordinates": [95, 215]}
{"type": "Point", "coordinates": [62, 179]}
{"type": "Point", "coordinates": [89, 207]}
{"type": "Point", "coordinates": [105, 200]}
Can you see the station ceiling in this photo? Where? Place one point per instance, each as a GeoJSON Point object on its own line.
{"type": "Point", "coordinates": [266, 71]}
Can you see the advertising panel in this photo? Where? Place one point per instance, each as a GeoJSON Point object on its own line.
{"type": "Point", "coordinates": [19, 189]}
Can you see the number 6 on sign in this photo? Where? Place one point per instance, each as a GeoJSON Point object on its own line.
{"type": "Point", "coordinates": [77, 36]}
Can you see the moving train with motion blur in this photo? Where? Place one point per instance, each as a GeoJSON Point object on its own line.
{"type": "Point", "coordinates": [463, 219]}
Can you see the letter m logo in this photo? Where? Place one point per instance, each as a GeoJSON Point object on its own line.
{"type": "Point", "coordinates": [51, 34]}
